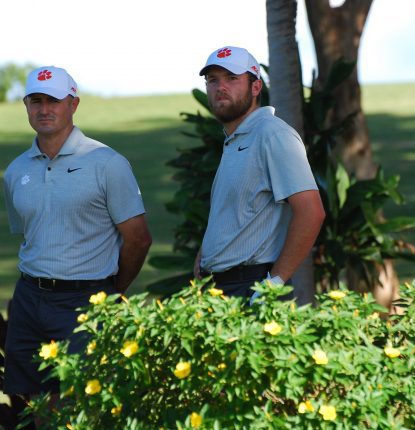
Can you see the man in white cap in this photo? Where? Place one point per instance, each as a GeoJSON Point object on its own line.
{"type": "Point", "coordinates": [266, 210]}
{"type": "Point", "coordinates": [79, 208]}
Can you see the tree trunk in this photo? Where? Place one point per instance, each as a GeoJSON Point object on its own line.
{"type": "Point", "coordinates": [337, 33]}
{"type": "Point", "coordinates": [284, 64]}
{"type": "Point", "coordinates": [285, 88]}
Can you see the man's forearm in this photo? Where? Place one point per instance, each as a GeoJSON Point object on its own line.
{"type": "Point", "coordinates": [305, 225]}
{"type": "Point", "coordinates": [130, 263]}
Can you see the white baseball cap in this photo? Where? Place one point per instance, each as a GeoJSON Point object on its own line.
{"type": "Point", "coordinates": [236, 60]}
{"type": "Point", "coordinates": [52, 81]}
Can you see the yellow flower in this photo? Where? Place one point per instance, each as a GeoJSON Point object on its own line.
{"type": "Point", "coordinates": [337, 295]}
{"type": "Point", "coordinates": [198, 315]}
{"type": "Point", "coordinates": [392, 352]}
{"type": "Point", "coordinates": [328, 412]}
{"type": "Point", "coordinates": [356, 313]}
{"type": "Point", "coordinates": [195, 420]}
{"type": "Point", "coordinates": [304, 407]}
{"type": "Point", "coordinates": [97, 299]}
{"type": "Point", "coordinates": [221, 366]}
{"type": "Point", "coordinates": [49, 351]}
{"type": "Point", "coordinates": [116, 410]}
{"type": "Point", "coordinates": [91, 347]}
{"type": "Point", "coordinates": [104, 359]}
{"type": "Point", "coordinates": [69, 427]}
{"type": "Point", "coordinates": [320, 357]}
{"type": "Point", "coordinates": [215, 292]}
{"type": "Point", "coordinates": [124, 299]}
{"type": "Point", "coordinates": [92, 387]}
{"type": "Point", "coordinates": [374, 316]}
{"type": "Point", "coordinates": [183, 369]}
{"type": "Point", "coordinates": [129, 348]}
{"type": "Point", "coordinates": [82, 318]}
{"type": "Point", "coordinates": [272, 328]}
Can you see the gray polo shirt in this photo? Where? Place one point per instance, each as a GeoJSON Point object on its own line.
{"type": "Point", "coordinates": [67, 208]}
{"type": "Point", "coordinates": [263, 162]}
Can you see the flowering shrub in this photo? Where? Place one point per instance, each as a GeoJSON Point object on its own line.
{"type": "Point", "coordinates": [205, 361]}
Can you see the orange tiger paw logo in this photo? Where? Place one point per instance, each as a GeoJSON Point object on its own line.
{"type": "Point", "coordinates": [44, 75]}
{"type": "Point", "coordinates": [225, 52]}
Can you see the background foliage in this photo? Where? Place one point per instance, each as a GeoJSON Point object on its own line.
{"type": "Point", "coordinates": [13, 77]}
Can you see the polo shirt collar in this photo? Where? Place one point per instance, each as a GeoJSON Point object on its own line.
{"type": "Point", "coordinates": [68, 148]}
{"type": "Point", "coordinates": [249, 122]}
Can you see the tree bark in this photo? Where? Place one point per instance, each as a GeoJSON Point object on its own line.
{"type": "Point", "coordinates": [337, 33]}
{"type": "Point", "coordinates": [285, 90]}
{"type": "Point", "coordinates": [284, 64]}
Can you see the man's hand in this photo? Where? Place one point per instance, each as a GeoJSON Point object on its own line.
{"type": "Point", "coordinates": [136, 243]}
{"type": "Point", "coordinates": [274, 279]}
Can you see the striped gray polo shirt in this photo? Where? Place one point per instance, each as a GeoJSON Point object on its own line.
{"type": "Point", "coordinates": [67, 208]}
{"type": "Point", "coordinates": [263, 162]}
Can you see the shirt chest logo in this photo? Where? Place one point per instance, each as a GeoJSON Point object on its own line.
{"type": "Point", "coordinates": [25, 179]}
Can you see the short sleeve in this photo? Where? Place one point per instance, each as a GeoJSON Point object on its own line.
{"type": "Point", "coordinates": [287, 164]}
{"type": "Point", "coordinates": [15, 222]}
{"type": "Point", "coordinates": [124, 199]}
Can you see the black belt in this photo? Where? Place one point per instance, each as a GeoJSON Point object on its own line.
{"type": "Point", "coordinates": [65, 285]}
{"type": "Point", "coordinates": [255, 272]}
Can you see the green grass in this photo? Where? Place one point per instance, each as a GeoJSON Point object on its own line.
{"type": "Point", "coordinates": [390, 112]}
{"type": "Point", "coordinates": [147, 130]}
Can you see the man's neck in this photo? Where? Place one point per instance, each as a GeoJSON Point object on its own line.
{"type": "Point", "coordinates": [51, 144]}
{"type": "Point", "coordinates": [230, 127]}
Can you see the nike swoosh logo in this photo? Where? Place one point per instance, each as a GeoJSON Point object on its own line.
{"type": "Point", "coordinates": [241, 149]}
{"type": "Point", "coordinates": [73, 170]}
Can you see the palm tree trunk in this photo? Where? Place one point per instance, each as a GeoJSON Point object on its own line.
{"type": "Point", "coordinates": [286, 96]}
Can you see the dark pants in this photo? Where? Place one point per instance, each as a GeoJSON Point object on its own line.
{"type": "Point", "coordinates": [39, 316]}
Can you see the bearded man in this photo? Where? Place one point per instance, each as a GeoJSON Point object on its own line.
{"type": "Point", "coordinates": [266, 210]}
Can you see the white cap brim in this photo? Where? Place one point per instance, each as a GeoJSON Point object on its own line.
{"type": "Point", "coordinates": [53, 92]}
{"type": "Point", "coordinates": [233, 68]}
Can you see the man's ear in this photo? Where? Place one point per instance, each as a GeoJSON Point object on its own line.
{"type": "Point", "coordinates": [75, 103]}
{"type": "Point", "coordinates": [256, 87]}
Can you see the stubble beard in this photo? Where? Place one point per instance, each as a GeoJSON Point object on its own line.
{"type": "Point", "coordinates": [235, 110]}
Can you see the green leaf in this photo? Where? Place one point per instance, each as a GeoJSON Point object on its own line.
{"type": "Point", "coordinates": [343, 184]}
{"type": "Point", "coordinates": [396, 224]}
{"type": "Point", "coordinates": [201, 97]}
